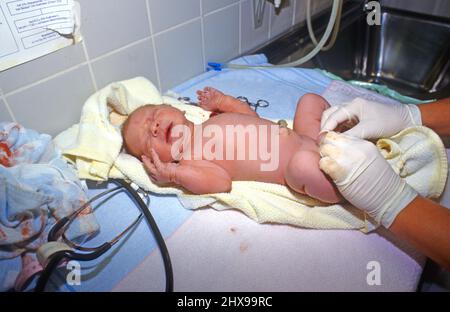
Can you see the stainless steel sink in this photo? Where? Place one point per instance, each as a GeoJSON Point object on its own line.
{"type": "Point", "coordinates": [408, 52]}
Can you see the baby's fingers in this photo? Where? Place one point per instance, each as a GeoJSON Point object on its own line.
{"type": "Point", "coordinates": [158, 163]}
{"type": "Point", "coordinates": [151, 169]}
{"type": "Point", "coordinates": [155, 157]}
{"type": "Point", "coordinates": [148, 164]}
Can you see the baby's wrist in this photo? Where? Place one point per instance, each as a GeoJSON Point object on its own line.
{"type": "Point", "coordinates": [173, 173]}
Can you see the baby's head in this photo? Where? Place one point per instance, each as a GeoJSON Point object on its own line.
{"type": "Point", "coordinates": [150, 127]}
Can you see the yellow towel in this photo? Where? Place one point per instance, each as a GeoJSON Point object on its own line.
{"type": "Point", "coordinates": [94, 146]}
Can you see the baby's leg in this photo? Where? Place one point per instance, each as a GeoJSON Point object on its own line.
{"type": "Point", "coordinates": [308, 115]}
{"type": "Point", "coordinates": [304, 176]}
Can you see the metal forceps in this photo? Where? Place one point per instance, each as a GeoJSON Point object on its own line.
{"type": "Point", "coordinates": [259, 103]}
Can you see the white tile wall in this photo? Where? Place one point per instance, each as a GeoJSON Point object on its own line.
{"type": "Point", "coordinates": [212, 5]}
{"type": "Point", "coordinates": [4, 113]}
{"type": "Point", "coordinates": [282, 20]}
{"type": "Point", "coordinates": [111, 24]}
{"type": "Point", "coordinates": [167, 41]}
{"type": "Point", "coordinates": [179, 54]}
{"type": "Point", "coordinates": [169, 13]}
{"type": "Point", "coordinates": [135, 60]}
{"type": "Point", "coordinates": [299, 11]}
{"type": "Point", "coordinates": [53, 105]}
{"type": "Point", "coordinates": [221, 33]}
{"type": "Point", "coordinates": [251, 37]}
{"type": "Point", "coordinates": [47, 65]}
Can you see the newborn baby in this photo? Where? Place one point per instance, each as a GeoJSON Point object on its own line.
{"type": "Point", "coordinates": [148, 134]}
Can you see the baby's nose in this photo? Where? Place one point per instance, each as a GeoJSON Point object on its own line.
{"type": "Point", "coordinates": [155, 128]}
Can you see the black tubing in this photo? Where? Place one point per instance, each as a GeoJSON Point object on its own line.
{"type": "Point", "coordinates": [156, 232]}
{"type": "Point", "coordinates": [56, 258]}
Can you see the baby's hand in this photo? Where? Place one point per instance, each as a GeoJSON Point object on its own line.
{"type": "Point", "coordinates": [209, 99]}
{"type": "Point", "coordinates": [160, 172]}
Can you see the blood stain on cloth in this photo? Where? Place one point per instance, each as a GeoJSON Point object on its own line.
{"type": "Point", "coordinates": [5, 155]}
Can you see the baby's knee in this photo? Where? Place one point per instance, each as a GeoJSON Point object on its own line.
{"type": "Point", "coordinates": [312, 99]}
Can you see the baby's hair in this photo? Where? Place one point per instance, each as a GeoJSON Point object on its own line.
{"type": "Point", "coordinates": [125, 125]}
{"type": "Point", "coordinates": [123, 129]}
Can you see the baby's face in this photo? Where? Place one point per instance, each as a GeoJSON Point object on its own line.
{"type": "Point", "coordinates": [150, 127]}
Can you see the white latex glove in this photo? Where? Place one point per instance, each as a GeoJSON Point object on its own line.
{"type": "Point", "coordinates": [364, 177]}
{"type": "Point", "coordinates": [376, 120]}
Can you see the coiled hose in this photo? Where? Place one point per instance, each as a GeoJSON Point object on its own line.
{"type": "Point", "coordinates": [337, 7]}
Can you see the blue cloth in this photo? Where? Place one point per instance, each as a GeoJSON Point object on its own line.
{"type": "Point", "coordinates": [282, 87]}
{"type": "Point", "coordinates": [36, 188]}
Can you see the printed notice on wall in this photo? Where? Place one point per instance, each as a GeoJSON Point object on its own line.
{"type": "Point", "coordinates": [33, 28]}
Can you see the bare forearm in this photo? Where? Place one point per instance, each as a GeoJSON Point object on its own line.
{"type": "Point", "coordinates": [200, 180]}
{"type": "Point", "coordinates": [229, 104]}
{"type": "Point", "coordinates": [426, 225]}
{"type": "Point", "coordinates": [436, 115]}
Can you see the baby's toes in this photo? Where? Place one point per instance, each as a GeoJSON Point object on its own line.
{"type": "Point", "coordinates": [201, 99]}
{"type": "Point", "coordinates": [200, 93]}
{"type": "Point", "coordinates": [208, 96]}
{"type": "Point", "coordinates": [204, 97]}
{"type": "Point", "coordinates": [213, 92]}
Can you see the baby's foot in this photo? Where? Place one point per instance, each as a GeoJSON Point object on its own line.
{"type": "Point", "coordinates": [210, 99]}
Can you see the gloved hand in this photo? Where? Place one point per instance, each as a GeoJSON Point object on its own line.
{"type": "Point", "coordinates": [376, 120]}
{"type": "Point", "coordinates": [364, 177]}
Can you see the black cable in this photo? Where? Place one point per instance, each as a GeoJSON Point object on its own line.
{"type": "Point", "coordinates": [52, 264]}
{"type": "Point", "coordinates": [156, 232]}
{"type": "Point", "coordinates": [57, 257]}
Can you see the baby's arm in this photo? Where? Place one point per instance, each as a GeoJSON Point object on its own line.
{"type": "Point", "coordinates": [215, 101]}
{"type": "Point", "coordinates": [197, 176]}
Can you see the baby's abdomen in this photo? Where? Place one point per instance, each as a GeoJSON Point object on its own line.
{"type": "Point", "coordinates": [271, 162]}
